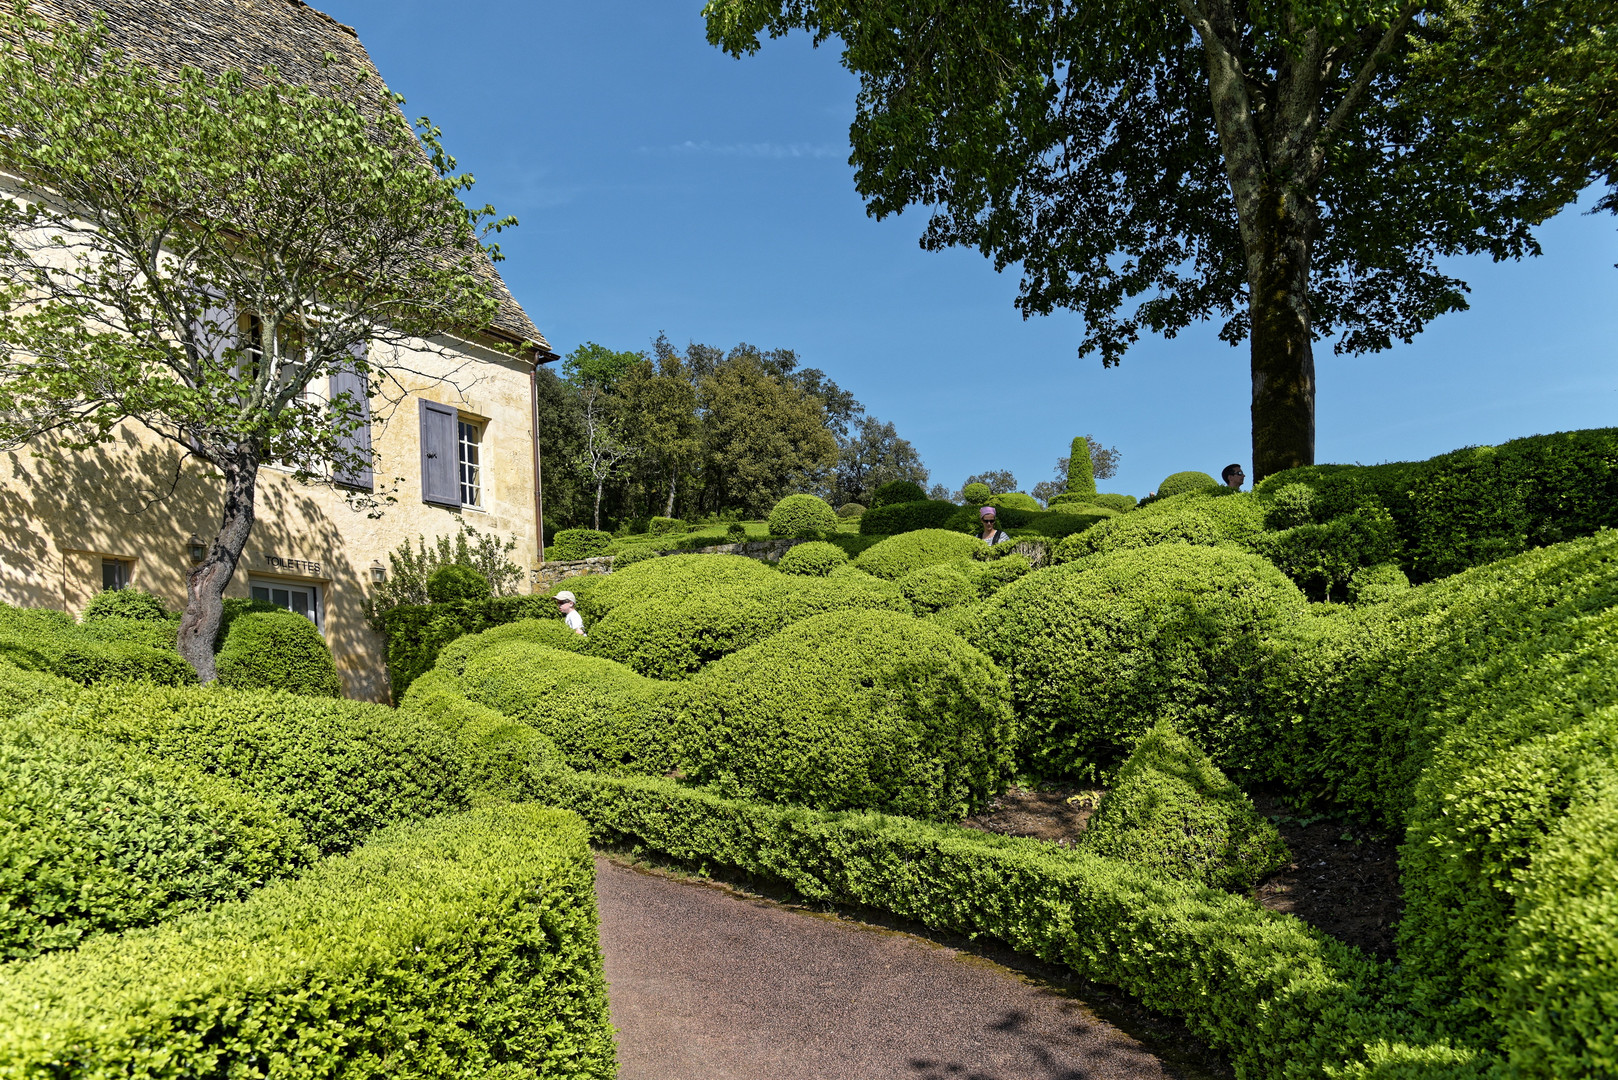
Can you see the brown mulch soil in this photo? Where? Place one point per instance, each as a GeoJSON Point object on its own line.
{"type": "Point", "coordinates": [1342, 879]}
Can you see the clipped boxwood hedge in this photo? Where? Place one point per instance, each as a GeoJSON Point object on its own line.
{"type": "Point", "coordinates": [802, 517]}
{"type": "Point", "coordinates": [571, 544]}
{"type": "Point", "coordinates": [417, 632]}
{"type": "Point", "coordinates": [277, 650]}
{"type": "Point", "coordinates": [899, 555]}
{"type": "Point", "coordinates": [1170, 809]}
{"type": "Point", "coordinates": [498, 750]}
{"type": "Point", "coordinates": [898, 491]}
{"type": "Point", "coordinates": [1096, 650]}
{"type": "Point", "coordinates": [869, 709]}
{"type": "Point", "coordinates": [1219, 517]}
{"type": "Point", "coordinates": [133, 604]}
{"type": "Point", "coordinates": [941, 585]}
{"type": "Point", "coordinates": [99, 837]}
{"type": "Point", "coordinates": [1181, 482]}
{"type": "Point", "coordinates": [466, 946]}
{"type": "Point", "coordinates": [21, 690]}
{"type": "Point", "coordinates": [341, 769]}
{"type": "Point", "coordinates": [906, 517]}
{"type": "Point", "coordinates": [817, 558]}
{"type": "Point", "coordinates": [42, 640]}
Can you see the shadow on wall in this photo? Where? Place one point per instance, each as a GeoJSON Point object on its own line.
{"type": "Point", "coordinates": [63, 510]}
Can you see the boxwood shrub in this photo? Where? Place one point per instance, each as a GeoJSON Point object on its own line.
{"type": "Point", "coordinates": [802, 517]}
{"type": "Point", "coordinates": [1171, 810]}
{"type": "Point", "coordinates": [1224, 519]}
{"type": "Point", "coordinates": [277, 650]}
{"type": "Point", "coordinates": [665, 526]}
{"type": "Point", "coordinates": [850, 510]}
{"type": "Point", "coordinates": [1181, 482]}
{"type": "Point", "coordinates": [162, 634]}
{"type": "Point", "coordinates": [21, 690]}
{"type": "Point", "coordinates": [814, 559]}
{"type": "Point", "coordinates": [1120, 503]}
{"type": "Point", "coordinates": [98, 837]}
{"type": "Point", "coordinates": [466, 946]}
{"type": "Point", "coordinates": [1096, 650]}
{"type": "Point", "coordinates": [976, 494]}
{"type": "Point", "coordinates": [49, 641]}
{"type": "Point", "coordinates": [498, 750]}
{"type": "Point", "coordinates": [571, 544]}
{"type": "Point", "coordinates": [899, 555]}
{"type": "Point", "coordinates": [906, 517]}
{"type": "Point", "coordinates": [897, 491]}
{"type": "Point", "coordinates": [867, 710]}
{"type": "Point", "coordinates": [452, 581]}
{"type": "Point", "coordinates": [1063, 519]}
{"type": "Point", "coordinates": [131, 604]}
{"type": "Point", "coordinates": [341, 769]}
{"type": "Point", "coordinates": [417, 632]}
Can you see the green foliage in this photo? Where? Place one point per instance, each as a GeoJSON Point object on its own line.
{"type": "Point", "coordinates": [1283, 999]}
{"type": "Point", "coordinates": [859, 709]}
{"type": "Point", "coordinates": [1015, 500]}
{"type": "Point", "coordinates": [572, 544]}
{"type": "Point", "coordinates": [49, 641]}
{"type": "Point", "coordinates": [898, 491]}
{"type": "Point", "coordinates": [802, 517]}
{"type": "Point", "coordinates": [906, 517]}
{"type": "Point", "coordinates": [665, 526]}
{"type": "Point", "coordinates": [736, 533]}
{"type": "Point", "coordinates": [1171, 810]}
{"type": "Point", "coordinates": [1323, 559]}
{"type": "Point", "coordinates": [1097, 649]}
{"type": "Point", "coordinates": [411, 568]}
{"type": "Point", "coordinates": [462, 946]}
{"type": "Point", "coordinates": [1377, 584]}
{"type": "Point", "coordinates": [450, 583]}
{"type": "Point", "coordinates": [277, 650]}
{"type": "Point", "coordinates": [850, 510]}
{"type": "Point", "coordinates": [629, 554]}
{"type": "Point", "coordinates": [416, 633]}
{"type": "Point", "coordinates": [97, 837]}
{"type": "Point", "coordinates": [976, 494]}
{"type": "Point", "coordinates": [814, 559]}
{"type": "Point", "coordinates": [1120, 503]}
{"type": "Point", "coordinates": [1181, 482]}
{"type": "Point", "coordinates": [668, 618]}
{"type": "Point", "coordinates": [1222, 519]}
{"type": "Point", "coordinates": [498, 750]}
{"type": "Point", "coordinates": [340, 769]}
{"type": "Point", "coordinates": [132, 604]}
{"type": "Point", "coordinates": [115, 630]}
{"type": "Point", "coordinates": [899, 555]}
{"type": "Point", "coordinates": [1063, 519]}
{"type": "Point", "coordinates": [940, 585]}
{"type": "Point", "coordinates": [1081, 476]}
{"type": "Point", "coordinates": [21, 690]}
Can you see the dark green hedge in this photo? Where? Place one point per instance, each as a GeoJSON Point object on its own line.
{"type": "Point", "coordinates": [579, 544]}
{"type": "Point", "coordinates": [497, 749]}
{"type": "Point", "coordinates": [98, 837]}
{"type": "Point", "coordinates": [41, 640]}
{"type": "Point", "coordinates": [341, 769]}
{"type": "Point", "coordinates": [898, 491]}
{"type": "Point", "coordinates": [416, 632]}
{"type": "Point", "coordinates": [452, 582]}
{"type": "Point", "coordinates": [1062, 519]}
{"type": "Point", "coordinates": [905, 517]}
{"type": "Point", "coordinates": [1097, 650]}
{"type": "Point", "coordinates": [127, 604]}
{"type": "Point", "coordinates": [277, 650]}
{"type": "Point", "coordinates": [898, 555]}
{"type": "Point", "coordinates": [853, 710]}
{"type": "Point", "coordinates": [814, 559]}
{"type": "Point", "coordinates": [462, 947]}
{"type": "Point", "coordinates": [1217, 517]}
{"type": "Point", "coordinates": [1282, 999]}
{"type": "Point", "coordinates": [1171, 810]}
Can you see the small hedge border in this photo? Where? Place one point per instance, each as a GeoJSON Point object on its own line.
{"type": "Point", "coordinates": [416, 632]}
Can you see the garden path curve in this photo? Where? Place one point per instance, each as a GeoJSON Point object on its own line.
{"type": "Point", "coordinates": [709, 985]}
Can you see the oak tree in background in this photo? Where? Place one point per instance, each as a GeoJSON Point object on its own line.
{"type": "Point", "coordinates": [873, 455]}
{"type": "Point", "coordinates": [1154, 164]}
{"type": "Point", "coordinates": [198, 253]}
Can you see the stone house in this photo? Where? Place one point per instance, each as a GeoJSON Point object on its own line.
{"type": "Point", "coordinates": [455, 441]}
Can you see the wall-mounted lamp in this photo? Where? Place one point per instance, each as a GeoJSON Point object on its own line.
{"type": "Point", "coordinates": [195, 548]}
{"type": "Point", "coordinates": [379, 573]}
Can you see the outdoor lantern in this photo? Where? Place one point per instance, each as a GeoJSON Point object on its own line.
{"type": "Point", "coordinates": [196, 549]}
{"type": "Point", "coordinates": [379, 573]}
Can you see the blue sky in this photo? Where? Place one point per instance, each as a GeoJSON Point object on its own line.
{"type": "Point", "coordinates": [663, 186]}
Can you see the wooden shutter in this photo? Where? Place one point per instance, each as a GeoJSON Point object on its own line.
{"type": "Point", "coordinates": [348, 380]}
{"type": "Point", "coordinates": [440, 482]}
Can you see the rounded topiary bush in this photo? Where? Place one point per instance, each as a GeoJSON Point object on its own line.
{"type": "Point", "coordinates": [1231, 520]}
{"type": "Point", "coordinates": [1096, 651]}
{"type": "Point", "coordinates": [452, 582]}
{"type": "Point", "coordinates": [629, 554]}
{"type": "Point", "coordinates": [814, 559]}
{"type": "Point", "coordinates": [1376, 584]}
{"type": "Point", "coordinates": [897, 491]}
{"type": "Point", "coordinates": [802, 517]}
{"type": "Point", "coordinates": [865, 710]}
{"type": "Point", "coordinates": [573, 544]}
{"type": "Point", "coordinates": [976, 494]}
{"type": "Point", "coordinates": [941, 585]}
{"type": "Point", "coordinates": [277, 650]}
{"type": "Point", "coordinates": [1014, 500]}
{"type": "Point", "coordinates": [736, 533]}
{"type": "Point", "coordinates": [662, 526]}
{"type": "Point", "coordinates": [126, 604]}
{"type": "Point", "coordinates": [897, 556]}
{"type": "Point", "coordinates": [907, 517]}
{"type": "Point", "coordinates": [1181, 482]}
{"type": "Point", "coordinates": [850, 510]}
{"type": "Point", "coordinates": [1119, 503]}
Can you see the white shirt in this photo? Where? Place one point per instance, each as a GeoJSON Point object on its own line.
{"type": "Point", "coordinates": [575, 621]}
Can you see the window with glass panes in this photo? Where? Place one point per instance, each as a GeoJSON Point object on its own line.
{"type": "Point", "coordinates": [471, 436]}
{"type": "Point", "coordinates": [303, 599]}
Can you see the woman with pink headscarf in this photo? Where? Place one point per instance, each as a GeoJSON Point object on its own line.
{"type": "Point", "coordinates": [991, 529]}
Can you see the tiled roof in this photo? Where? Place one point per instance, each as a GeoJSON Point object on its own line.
{"type": "Point", "coordinates": [249, 35]}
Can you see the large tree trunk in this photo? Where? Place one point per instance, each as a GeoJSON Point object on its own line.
{"type": "Point", "coordinates": [1283, 356]}
{"type": "Point", "coordinates": [674, 476]}
{"type": "Point", "coordinates": [205, 584]}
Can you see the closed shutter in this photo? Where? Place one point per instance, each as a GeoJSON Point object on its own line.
{"type": "Point", "coordinates": [439, 482]}
{"type": "Point", "coordinates": [348, 380]}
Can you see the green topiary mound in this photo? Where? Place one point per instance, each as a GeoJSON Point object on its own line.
{"type": "Point", "coordinates": [907, 517]}
{"type": "Point", "coordinates": [859, 710]}
{"type": "Point", "coordinates": [277, 650]}
{"type": "Point", "coordinates": [1377, 584]}
{"type": "Point", "coordinates": [574, 544]}
{"type": "Point", "coordinates": [1181, 482]}
{"type": "Point", "coordinates": [802, 517]}
{"type": "Point", "coordinates": [42, 640]}
{"type": "Point", "coordinates": [1014, 500]}
{"type": "Point", "coordinates": [1096, 649]}
{"type": "Point", "coordinates": [897, 491]}
{"type": "Point", "coordinates": [452, 582]}
{"type": "Point", "coordinates": [664, 526]}
{"type": "Point", "coordinates": [850, 510]}
{"type": "Point", "coordinates": [814, 559]}
{"type": "Point", "coordinates": [897, 556]}
{"type": "Point", "coordinates": [1119, 503]}
{"type": "Point", "coordinates": [126, 604]}
{"type": "Point", "coordinates": [1172, 811]}
{"type": "Point", "coordinates": [1226, 520]}
{"type": "Point", "coordinates": [975, 495]}
{"type": "Point", "coordinates": [941, 585]}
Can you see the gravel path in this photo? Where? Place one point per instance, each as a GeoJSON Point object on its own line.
{"type": "Point", "coordinates": [707, 985]}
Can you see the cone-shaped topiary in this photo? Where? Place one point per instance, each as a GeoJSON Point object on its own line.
{"type": "Point", "coordinates": [1081, 473]}
{"type": "Point", "coordinates": [802, 517]}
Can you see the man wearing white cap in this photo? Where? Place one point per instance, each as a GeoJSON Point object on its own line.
{"type": "Point", "coordinates": [565, 602]}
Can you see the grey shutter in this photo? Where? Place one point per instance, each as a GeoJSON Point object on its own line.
{"type": "Point", "coordinates": [348, 380]}
{"type": "Point", "coordinates": [439, 480]}
{"type": "Point", "coordinates": [215, 330]}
